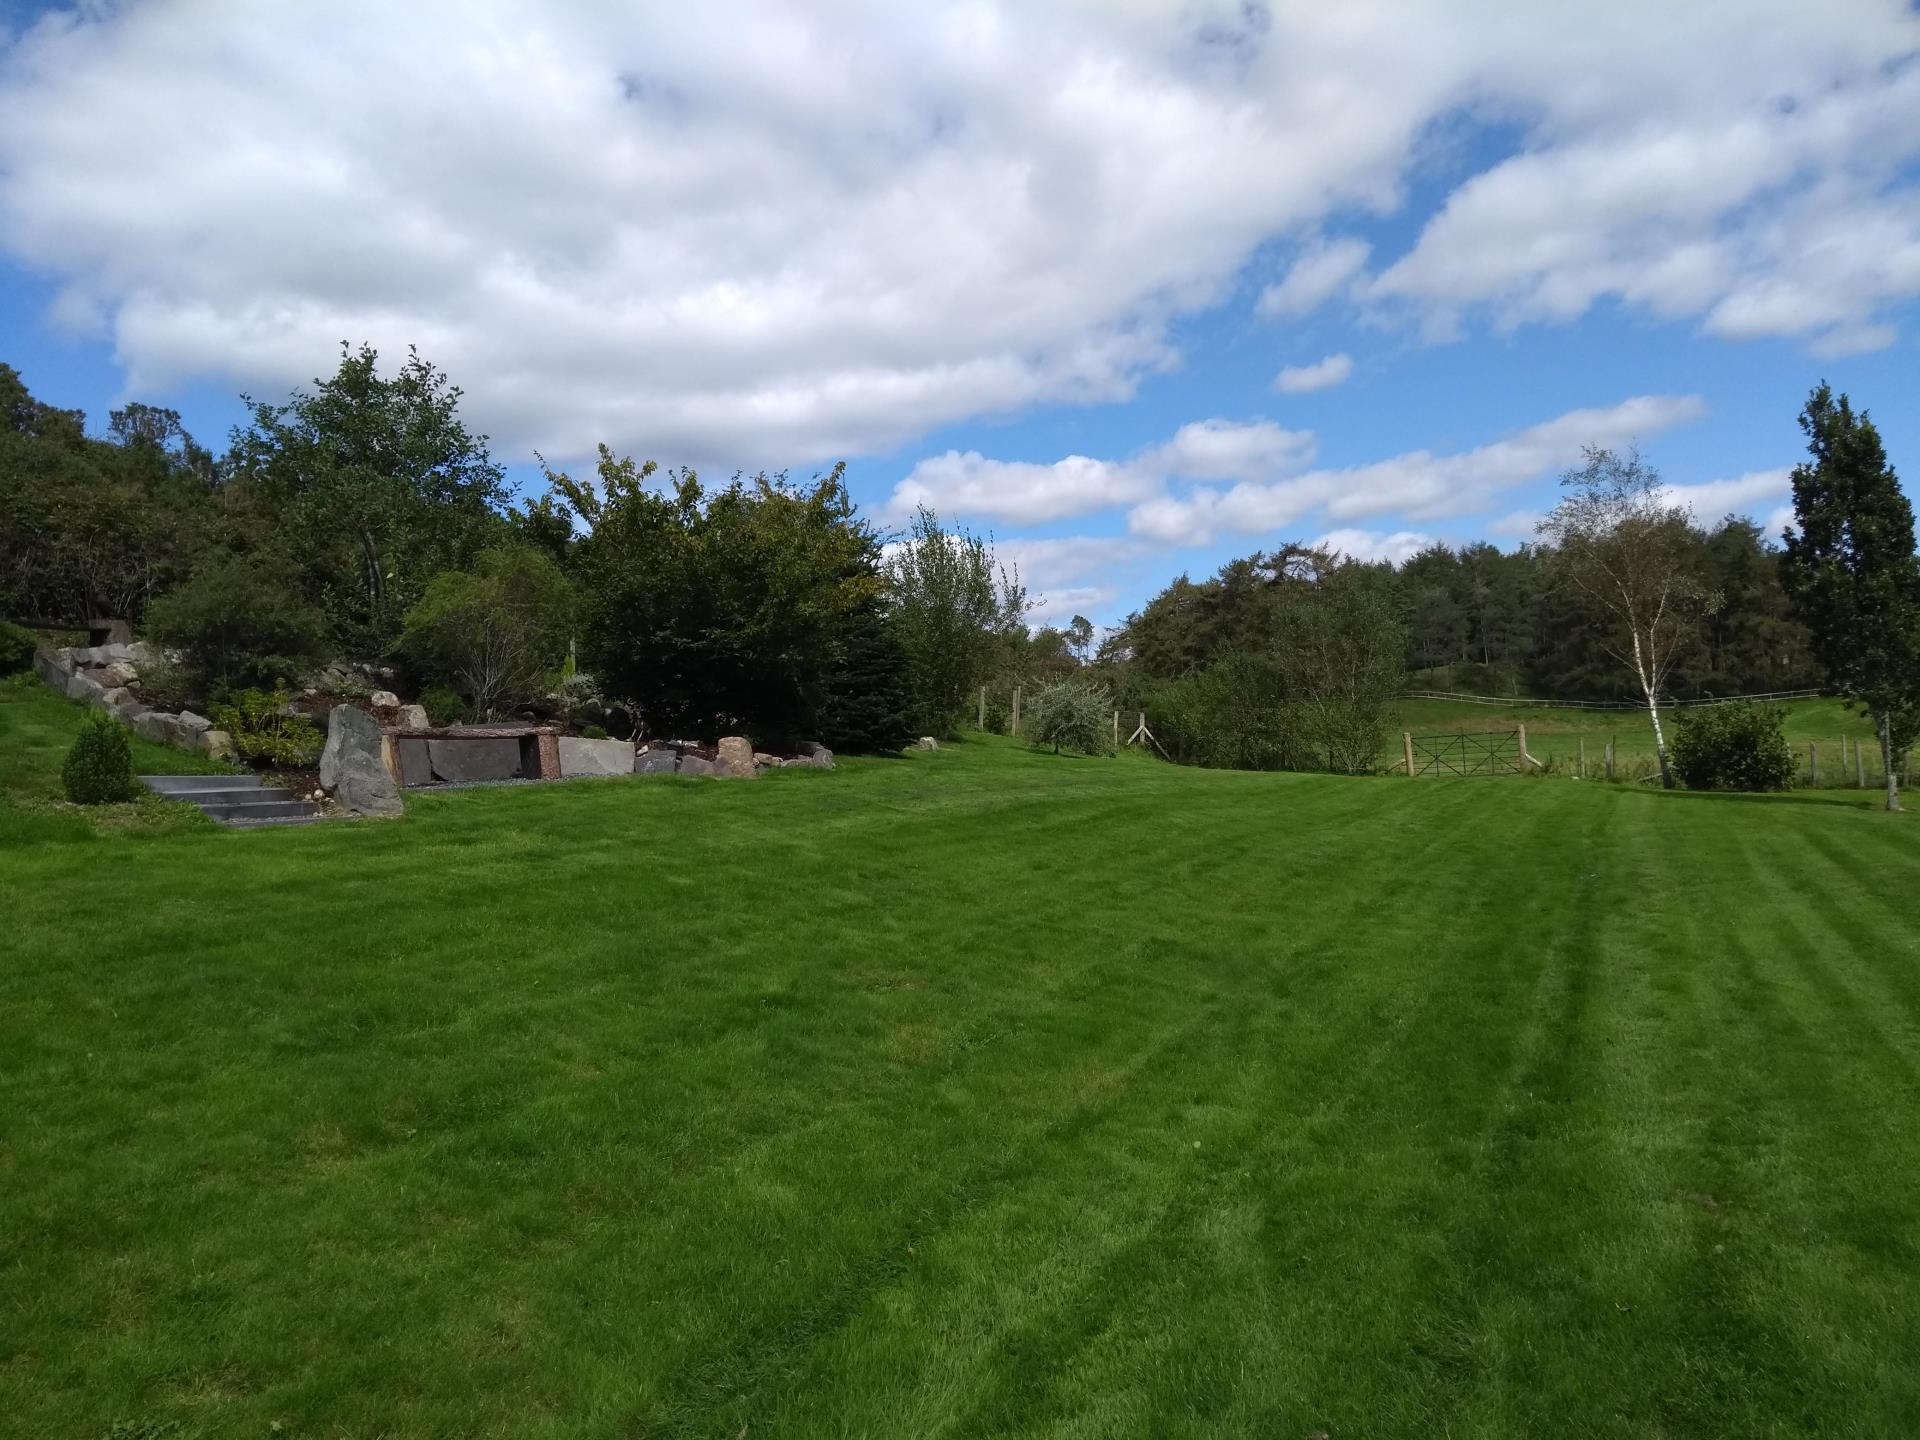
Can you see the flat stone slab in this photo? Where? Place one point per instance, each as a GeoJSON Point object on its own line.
{"type": "Point", "coordinates": [416, 765]}
{"type": "Point", "coordinates": [474, 757]}
{"type": "Point", "coordinates": [581, 756]}
{"type": "Point", "coordinates": [647, 762]}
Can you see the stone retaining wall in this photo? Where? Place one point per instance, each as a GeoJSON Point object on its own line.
{"type": "Point", "coordinates": [102, 676]}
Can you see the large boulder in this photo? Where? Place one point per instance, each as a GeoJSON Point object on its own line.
{"type": "Point", "coordinates": [646, 762]}
{"type": "Point", "coordinates": [384, 700]}
{"type": "Point", "coordinates": [411, 717]}
{"type": "Point", "coordinates": [159, 727]}
{"type": "Point", "coordinates": [581, 756]}
{"type": "Point", "coordinates": [217, 743]}
{"type": "Point", "coordinates": [82, 686]}
{"type": "Point", "coordinates": [695, 765]}
{"type": "Point", "coordinates": [734, 760]}
{"type": "Point", "coordinates": [816, 754]}
{"type": "Point", "coordinates": [119, 674]}
{"type": "Point", "coordinates": [194, 725]}
{"type": "Point", "coordinates": [926, 742]}
{"type": "Point", "coordinates": [351, 769]}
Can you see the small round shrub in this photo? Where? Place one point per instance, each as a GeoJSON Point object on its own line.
{"type": "Point", "coordinates": [443, 705]}
{"type": "Point", "coordinates": [1070, 715]}
{"type": "Point", "coordinates": [1734, 746]}
{"type": "Point", "coordinates": [593, 732]}
{"type": "Point", "coordinates": [16, 648]}
{"type": "Point", "coordinates": [98, 769]}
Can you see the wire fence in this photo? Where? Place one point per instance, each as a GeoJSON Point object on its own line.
{"type": "Point", "coordinates": [1666, 703]}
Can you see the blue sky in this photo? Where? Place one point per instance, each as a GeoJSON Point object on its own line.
{"type": "Point", "coordinates": [1136, 288]}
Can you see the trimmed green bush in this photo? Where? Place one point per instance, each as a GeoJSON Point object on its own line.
{"type": "Point", "coordinates": [16, 648]}
{"type": "Point", "coordinates": [443, 705]}
{"type": "Point", "coordinates": [261, 730]}
{"type": "Point", "coordinates": [98, 769]}
{"type": "Point", "coordinates": [1735, 746]}
{"type": "Point", "coordinates": [237, 623]}
{"type": "Point", "coordinates": [1071, 715]}
{"type": "Point", "coordinates": [593, 732]}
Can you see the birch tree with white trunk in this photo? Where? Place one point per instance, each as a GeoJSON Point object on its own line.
{"type": "Point", "coordinates": [1623, 545]}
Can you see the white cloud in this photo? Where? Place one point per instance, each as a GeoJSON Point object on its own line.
{"type": "Point", "coordinates": [1372, 545]}
{"type": "Point", "coordinates": [750, 232]}
{"type": "Point", "coordinates": [1321, 375]}
{"type": "Point", "coordinates": [1712, 500]}
{"type": "Point", "coordinates": [1416, 485]}
{"type": "Point", "coordinates": [1314, 279]}
{"type": "Point", "coordinates": [972, 484]}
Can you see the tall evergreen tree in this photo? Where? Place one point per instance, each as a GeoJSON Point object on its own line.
{"type": "Point", "coordinates": [1851, 572]}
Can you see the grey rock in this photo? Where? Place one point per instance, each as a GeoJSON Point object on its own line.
{"type": "Point", "coordinates": [82, 686]}
{"type": "Point", "coordinates": [761, 757]}
{"type": "Point", "coordinates": [411, 717]}
{"type": "Point", "coordinates": [416, 764]}
{"type": "Point", "coordinates": [141, 653]}
{"type": "Point", "coordinates": [119, 673]}
{"type": "Point", "coordinates": [129, 712]}
{"type": "Point", "coordinates": [116, 697]}
{"type": "Point", "coordinates": [646, 762]}
{"type": "Point", "coordinates": [475, 757]}
{"type": "Point", "coordinates": [735, 760]}
{"type": "Point", "coordinates": [351, 769]}
{"type": "Point", "coordinates": [52, 671]}
{"type": "Point", "coordinates": [821, 758]}
{"type": "Point", "coordinates": [217, 743]}
{"type": "Point", "coordinates": [384, 700]}
{"type": "Point", "coordinates": [811, 748]}
{"type": "Point", "coordinates": [695, 765]}
{"type": "Point", "coordinates": [194, 724]}
{"type": "Point", "coordinates": [159, 727]}
{"type": "Point", "coordinates": [926, 742]}
{"type": "Point", "coordinates": [96, 655]}
{"type": "Point", "coordinates": [581, 756]}
{"type": "Point", "coordinates": [350, 730]}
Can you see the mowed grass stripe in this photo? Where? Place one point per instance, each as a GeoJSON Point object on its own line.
{"type": "Point", "coordinates": [866, 1104]}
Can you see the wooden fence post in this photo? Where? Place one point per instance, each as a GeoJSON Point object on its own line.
{"type": "Point", "coordinates": [1406, 745]}
{"type": "Point", "coordinates": [1859, 766]}
{"type": "Point", "coordinates": [1116, 729]}
{"type": "Point", "coordinates": [1583, 757]}
{"type": "Point", "coordinates": [1014, 725]}
{"type": "Point", "coordinates": [1609, 759]}
{"type": "Point", "coordinates": [1524, 757]}
{"type": "Point", "coordinates": [1813, 764]}
{"type": "Point", "coordinates": [983, 707]}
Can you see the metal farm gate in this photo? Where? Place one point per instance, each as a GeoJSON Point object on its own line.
{"type": "Point", "coordinates": [1495, 752]}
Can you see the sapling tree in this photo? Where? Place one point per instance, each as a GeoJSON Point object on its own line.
{"type": "Point", "coordinates": [1624, 546]}
{"type": "Point", "coordinates": [1851, 573]}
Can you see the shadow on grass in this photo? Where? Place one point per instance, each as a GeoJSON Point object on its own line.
{"type": "Point", "coordinates": [1844, 800]}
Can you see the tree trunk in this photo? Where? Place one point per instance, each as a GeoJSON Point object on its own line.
{"type": "Point", "coordinates": [1653, 712]}
{"type": "Point", "coordinates": [1886, 759]}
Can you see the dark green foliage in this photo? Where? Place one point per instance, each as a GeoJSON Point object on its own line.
{"type": "Point", "coordinates": [717, 613]}
{"type": "Point", "coordinates": [16, 648]}
{"type": "Point", "coordinates": [1852, 573]}
{"type": "Point", "coordinates": [1736, 746]}
{"type": "Point", "coordinates": [98, 769]}
{"type": "Point", "coordinates": [1071, 715]}
{"type": "Point", "coordinates": [866, 704]}
{"type": "Point", "coordinates": [444, 705]}
{"type": "Point", "coordinates": [1233, 715]}
{"type": "Point", "coordinates": [262, 730]}
{"type": "Point", "coordinates": [379, 487]}
{"type": "Point", "coordinates": [594, 732]}
{"type": "Point", "coordinates": [961, 618]}
{"type": "Point", "coordinates": [498, 633]}
{"type": "Point", "coordinates": [238, 623]}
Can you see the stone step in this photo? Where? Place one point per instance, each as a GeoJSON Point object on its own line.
{"type": "Point", "coordinates": [284, 807]}
{"type": "Point", "coordinates": [186, 784]}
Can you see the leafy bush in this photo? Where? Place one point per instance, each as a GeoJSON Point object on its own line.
{"type": "Point", "coordinates": [499, 631]}
{"type": "Point", "coordinates": [443, 705]}
{"type": "Point", "coordinates": [1234, 715]}
{"type": "Point", "coordinates": [238, 624]}
{"type": "Point", "coordinates": [98, 769]}
{"type": "Point", "coordinates": [262, 730]}
{"type": "Point", "coordinates": [1070, 714]}
{"type": "Point", "coordinates": [1735, 746]}
{"type": "Point", "coordinates": [16, 648]}
{"type": "Point", "coordinates": [593, 732]}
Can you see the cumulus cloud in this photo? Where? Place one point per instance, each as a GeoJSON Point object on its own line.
{"type": "Point", "coordinates": [1373, 545]}
{"type": "Point", "coordinates": [753, 232]}
{"type": "Point", "coordinates": [1417, 485]}
{"type": "Point", "coordinates": [1321, 375]}
{"type": "Point", "coordinates": [1314, 279]}
{"type": "Point", "coordinates": [1713, 500]}
{"type": "Point", "coordinates": [972, 484]}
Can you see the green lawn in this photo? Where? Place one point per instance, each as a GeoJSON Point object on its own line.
{"type": "Point", "coordinates": [967, 1093]}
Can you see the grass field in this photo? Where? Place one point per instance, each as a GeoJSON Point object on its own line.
{"type": "Point", "coordinates": [968, 1093]}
